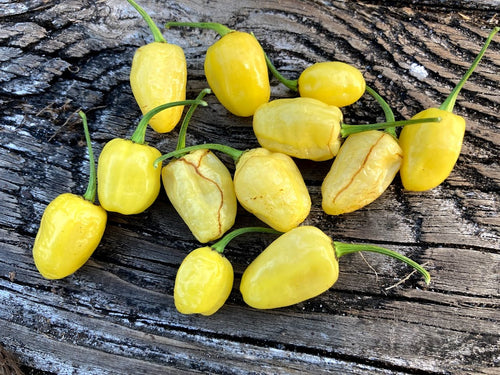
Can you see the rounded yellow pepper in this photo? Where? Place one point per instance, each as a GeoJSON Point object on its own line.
{"type": "Point", "coordinates": [363, 169]}
{"type": "Point", "coordinates": [203, 282]}
{"type": "Point", "coordinates": [270, 186]}
{"type": "Point", "coordinates": [235, 68]}
{"type": "Point", "coordinates": [71, 228]}
{"type": "Point", "coordinates": [299, 265]}
{"type": "Point", "coordinates": [304, 128]}
{"type": "Point", "coordinates": [201, 190]}
{"type": "Point", "coordinates": [333, 82]}
{"type": "Point", "coordinates": [158, 75]}
{"type": "Point", "coordinates": [128, 181]}
{"type": "Point", "coordinates": [205, 277]}
{"type": "Point", "coordinates": [432, 150]}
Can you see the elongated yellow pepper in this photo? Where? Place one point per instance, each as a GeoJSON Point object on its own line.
{"type": "Point", "coordinates": [158, 75]}
{"type": "Point", "coordinates": [71, 228]}
{"type": "Point", "coordinates": [299, 265]}
{"type": "Point", "coordinates": [432, 150]}
{"type": "Point", "coordinates": [363, 169]}
{"type": "Point", "coordinates": [235, 68]}
{"type": "Point", "coordinates": [201, 190]}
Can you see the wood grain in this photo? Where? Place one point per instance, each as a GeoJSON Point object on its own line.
{"type": "Point", "coordinates": [116, 314]}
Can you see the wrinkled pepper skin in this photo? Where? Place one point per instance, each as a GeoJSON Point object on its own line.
{"type": "Point", "coordinates": [297, 266]}
{"type": "Point", "coordinates": [203, 282]}
{"type": "Point", "coordinates": [430, 149]}
{"type": "Point", "coordinates": [201, 190]}
{"type": "Point", "coordinates": [363, 169]}
{"type": "Point", "coordinates": [128, 183]}
{"type": "Point", "coordinates": [270, 186]}
{"type": "Point", "coordinates": [304, 128]}
{"type": "Point", "coordinates": [70, 230]}
{"type": "Point", "coordinates": [158, 75]}
{"type": "Point", "coordinates": [333, 82]}
{"type": "Point", "coordinates": [236, 71]}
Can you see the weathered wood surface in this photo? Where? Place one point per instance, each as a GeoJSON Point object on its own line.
{"type": "Point", "coordinates": [116, 314]}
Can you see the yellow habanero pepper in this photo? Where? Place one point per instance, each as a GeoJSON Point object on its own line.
{"type": "Point", "coordinates": [235, 68]}
{"type": "Point", "coordinates": [333, 82]}
{"type": "Point", "coordinates": [306, 128]}
{"type": "Point", "coordinates": [205, 277]}
{"type": "Point", "coordinates": [71, 228]}
{"type": "Point", "coordinates": [158, 75]}
{"type": "Point", "coordinates": [128, 181]}
{"type": "Point", "coordinates": [432, 150]}
{"type": "Point", "coordinates": [299, 265]}
{"type": "Point", "coordinates": [200, 188]}
{"type": "Point", "coordinates": [365, 166]}
{"type": "Point", "coordinates": [267, 184]}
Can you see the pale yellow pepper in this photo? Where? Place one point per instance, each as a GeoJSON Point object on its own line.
{"type": "Point", "coordinates": [301, 264]}
{"type": "Point", "coordinates": [363, 169]}
{"type": "Point", "coordinates": [158, 75]}
{"type": "Point", "coordinates": [201, 190]}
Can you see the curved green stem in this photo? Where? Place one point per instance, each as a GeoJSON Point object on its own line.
{"type": "Point", "coordinates": [389, 114]}
{"type": "Point", "coordinates": [220, 245]}
{"type": "Point", "coordinates": [291, 84]}
{"type": "Point", "coordinates": [344, 248]}
{"type": "Point", "coordinates": [218, 27]}
{"type": "Point", "coordinates": [140, 131]}
{"type": "Point", "coordinates": [90, 193]}
{"type": "Point", "coordinates": [346, 129]}
{"type": "Point", "coordinates": [228, 150]}
{"type": "Point", "coordinates": [152, 26]}
{"type": "Point", "coordinates": [449, 102]}
{"type": "Point", "coordinates": [181, 141]}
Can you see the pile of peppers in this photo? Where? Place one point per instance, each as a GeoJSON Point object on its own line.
{"type": "Point", "coordinates": [301, 262]}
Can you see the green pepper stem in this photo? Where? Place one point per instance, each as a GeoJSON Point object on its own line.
{"type": "Point", "coordinates": [152, 26]}
{"type": "Point", "coordinates": [181, 141]}
{"type": "Point", "coordinates": [344, 248]}
{"type": "Point", "coordinates": [90, 193]}
{"type": "Point", "coordinates": [449, 102]}
{"type": "Point", "coordinates": [346, 129]}
{"type": "Point", "coordinates": [140, 132]}
{"type": "Point", "coordinates": [220, 245]}
{"type": "Point", "coordinates": [291, 84]}
{"type": "Point", "coordinates": [389, 114]}
{"type": "Point", "coordinates": [217, 27]}
{"type": "Point", "coordinates": [228, 150]}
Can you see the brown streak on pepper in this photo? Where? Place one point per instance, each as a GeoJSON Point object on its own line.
{"type": "Point", "coordinates": [360, 168]}
{"type": "Point", "coordinates": [196, 168]}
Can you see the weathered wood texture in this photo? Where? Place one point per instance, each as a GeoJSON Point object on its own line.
{"type": "Point", "coordinates": [116, 314]}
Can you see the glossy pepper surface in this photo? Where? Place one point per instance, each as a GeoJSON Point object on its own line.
{"type": "Point", "coordinates": [128, 181]}
{"type": "Point", "coordinates": [299, 265]}
{"type": "Point", "coordinates": [70, 230]}
{"type": "Point", "coordinates": [236, 70]}
{"type": "Point", "coordinates": [270, 186]}
{"type": "Point", "coordinates": [205, 277]}
{"type": "Point", "coordinates": [158, 75]}
{"type": "Point", "coordinates": [432, 150]}
{"type": "Point", "coordinates": [305, 128]}
{"type": "Point", "coordinates": [365, 166]}
{"type": "Point", "coordinates": [333, 82]}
